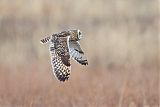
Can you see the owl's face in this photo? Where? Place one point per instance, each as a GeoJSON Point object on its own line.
{"type": "Point", "coordinates": [79, 34]}
{"type": "Point", "coordinates": [75, 35]}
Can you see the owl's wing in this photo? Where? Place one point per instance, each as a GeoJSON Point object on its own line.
{"type": "Point", "coordinates": [45, 40]}
{"type": "Point", "coordinates": [60, 58]}
{"type": "Point", "coordinates": [77, 53]}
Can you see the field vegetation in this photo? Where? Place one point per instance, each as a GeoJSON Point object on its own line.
{"type": "Point", "coordinates": [120, 41]}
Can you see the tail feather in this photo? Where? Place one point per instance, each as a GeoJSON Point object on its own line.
{"type": "Point", "coordinates": [45, 40]}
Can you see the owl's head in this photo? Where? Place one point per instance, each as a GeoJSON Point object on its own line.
{"type": "Point", "coordinates": [75, 35]}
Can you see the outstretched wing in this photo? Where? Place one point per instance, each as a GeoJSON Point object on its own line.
{"type": "Point", "coordinates": [60, 58]}
{"type": "Point", "coordinates": [77, 53]}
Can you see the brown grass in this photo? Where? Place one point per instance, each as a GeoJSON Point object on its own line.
{"type": "Point", "coordinates": [120, 42]}
{"type": "Point", "coordinates": [34, 86]}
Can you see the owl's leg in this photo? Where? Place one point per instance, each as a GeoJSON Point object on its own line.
{"type": "Point", "coordinates": [45, 40]}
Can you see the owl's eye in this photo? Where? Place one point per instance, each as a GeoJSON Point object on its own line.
{"type": "Point", "coordinates": [79, 34]}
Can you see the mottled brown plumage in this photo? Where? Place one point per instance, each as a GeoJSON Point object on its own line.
{"type": "Point", "coordinates": [64, 45]}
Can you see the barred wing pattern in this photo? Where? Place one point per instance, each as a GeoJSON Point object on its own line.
{"type": "Point", "coordinates": [62, 46]}
{"type": "Point", "coordinates": [77, 53]}
{"type": "Point", "coordinates": [60, 58]}
{"type": "Point", "coordinates": [45, 40]}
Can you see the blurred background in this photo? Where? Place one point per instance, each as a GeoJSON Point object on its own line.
{"type": "Point", "coordinates": [120, 42]}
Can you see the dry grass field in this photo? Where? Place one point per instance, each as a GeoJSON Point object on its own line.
{"type": "Point", "coordinates": [120, 41]}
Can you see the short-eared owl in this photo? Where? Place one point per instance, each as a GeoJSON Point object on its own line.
{"type": "Point", "coordinates": [62, 46]}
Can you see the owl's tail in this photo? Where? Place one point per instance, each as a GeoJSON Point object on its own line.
{"type": "Point", "coordinates": [45, 40]}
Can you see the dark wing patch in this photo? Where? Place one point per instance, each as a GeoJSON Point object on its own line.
{"type": "Point", "coordinates": [79, 51]}
{"type": "Point", "coordinates": [61, 47]}
{"type": "Point", "coordinates": [66, 60]}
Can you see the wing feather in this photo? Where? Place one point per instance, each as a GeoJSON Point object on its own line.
{"type": "Point", "coordinates": [77, 53]}
{"type": "Point", "coordinates": [45, 40]}
{"type": "Point", "coordinates": [60, 58]}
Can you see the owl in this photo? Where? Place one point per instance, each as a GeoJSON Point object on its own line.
{"type": "Point", "coordinates": [62, 47]}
